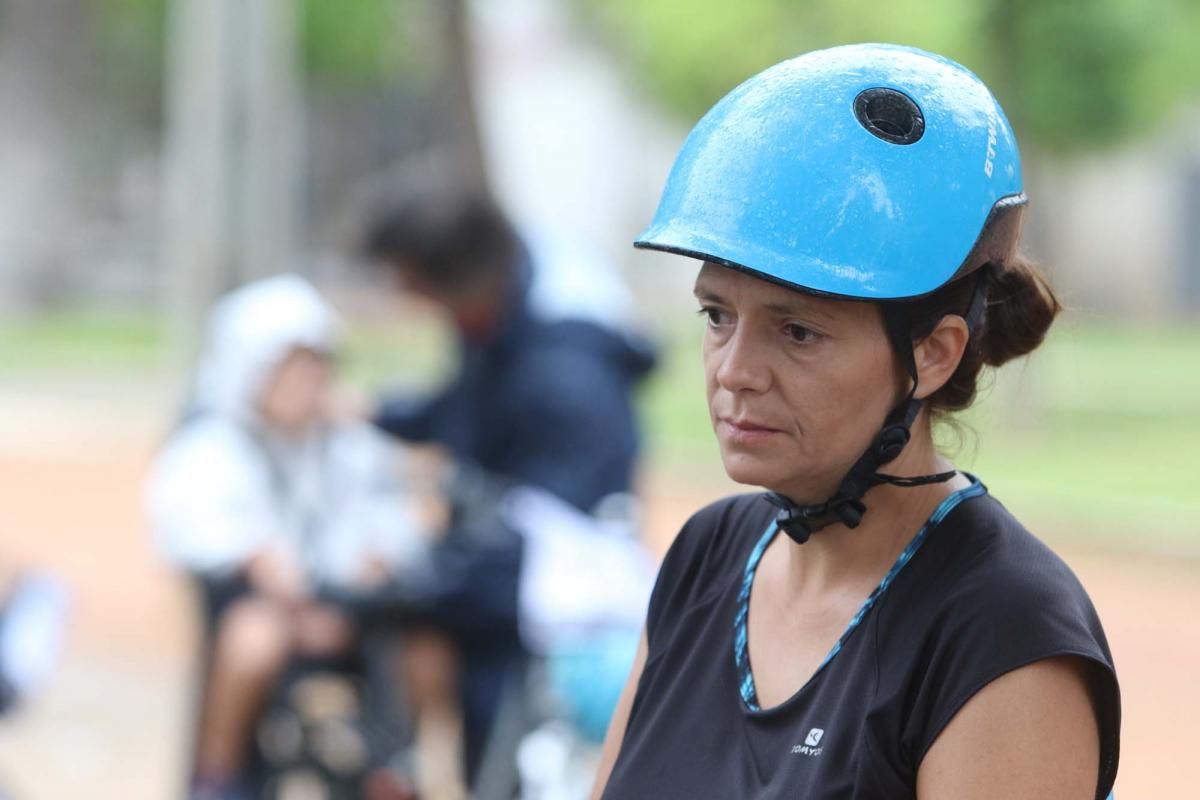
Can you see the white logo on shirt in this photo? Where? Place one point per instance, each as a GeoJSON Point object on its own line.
{"type": "Point", "coordinates": [811, 743]}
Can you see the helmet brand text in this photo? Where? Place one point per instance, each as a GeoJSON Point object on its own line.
{"type": "Point", "coordinates": [989, 159]}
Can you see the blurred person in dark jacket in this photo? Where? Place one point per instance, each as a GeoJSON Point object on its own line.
{"type": "Point", "coordinates": [543, 399]}
{"type": "Point", "coordinates": [547, 360]}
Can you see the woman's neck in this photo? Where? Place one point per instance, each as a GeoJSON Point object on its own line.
{"type": "Point", "coordinates": [839, 556]}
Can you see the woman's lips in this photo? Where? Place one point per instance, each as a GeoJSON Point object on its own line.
{"type": "Point", "coordinates": [741, 431]}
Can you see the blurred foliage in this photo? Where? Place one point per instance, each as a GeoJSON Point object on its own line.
{"type": "Point", "coordinates": [1070, 73]}
{"type": "Point", "coordinates": [356, 41]}
{"type": "Point", "coordinates": [136, 28]}
{"type": "Point", "coordinates": [360, 41]}
{"type": "Point", "coordinates": [129, 37]}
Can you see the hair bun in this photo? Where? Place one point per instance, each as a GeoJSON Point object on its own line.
{"type": "Point", "coordinates": [1020, 309]}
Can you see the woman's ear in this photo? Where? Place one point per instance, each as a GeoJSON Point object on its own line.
{"type": "Point", "coordinates": [938, 354]}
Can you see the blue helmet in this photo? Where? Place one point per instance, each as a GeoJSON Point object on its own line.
{"type": "Point", "coordinates": [867, 171]}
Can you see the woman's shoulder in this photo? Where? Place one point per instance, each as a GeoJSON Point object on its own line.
{"type": "Point", "coordinates": [985, 597]}
{"type": "Point", "coordinates": [709, 551]}
{"type": "Point", "coordinates": [988, 562]}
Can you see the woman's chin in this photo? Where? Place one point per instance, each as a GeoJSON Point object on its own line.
{"type": "Point", "coordinates": [750, 470]}
{"type": "Point", "coordinates": [767, 474]}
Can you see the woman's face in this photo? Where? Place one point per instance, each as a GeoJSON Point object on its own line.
{"type": "Point", "coordinates": [797, 385]}
{"type": "Point", "coordinates": [296, 395]}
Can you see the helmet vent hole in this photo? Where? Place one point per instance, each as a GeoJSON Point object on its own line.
{"type": "Point", "coordinates": [890, 115]}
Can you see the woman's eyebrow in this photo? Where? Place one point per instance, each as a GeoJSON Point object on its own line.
{"type": "Point", "coordinates": [801, 309]}
{"type": "Point", "coordinates": [782, 308]}
{"type": "Point", "coordinates": [707, 295]}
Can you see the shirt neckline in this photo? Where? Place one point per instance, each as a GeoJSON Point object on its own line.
{"type": "Point", "coordinates": [741, 651]}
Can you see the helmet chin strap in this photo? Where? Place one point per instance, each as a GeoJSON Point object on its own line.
{"type": "Point", "coordinates": [846, 505]}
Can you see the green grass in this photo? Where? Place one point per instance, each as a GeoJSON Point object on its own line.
{"type": "Point", "coordinates": [1098, 434]}
{"type": "Point", "coordinates": [128, 345]}
{"type": "Point", "coordinates": [83, 342]}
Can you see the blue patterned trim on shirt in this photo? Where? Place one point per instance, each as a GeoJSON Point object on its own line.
{"type": "Point", "coordinates": [741, 652]}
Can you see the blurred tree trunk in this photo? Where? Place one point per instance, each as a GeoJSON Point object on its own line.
{"type": "Point", "coordinates": [452, 19]}
{"type": "Point", "coordinates": [232, 173]}
{"type": "Point", "coordinates": [272, 182]}
{"type": "Point", "coordinates": [197, 250]}
{"type": "Point", "coordinates": [39, 42]}
{"type": "Point", "coordinates": [1189, 262]}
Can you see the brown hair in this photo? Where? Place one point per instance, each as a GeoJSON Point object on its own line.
{"type": "Point", "coordinates": [451, 234]}
{"type": "Point", "coordinates": [1020, 307]}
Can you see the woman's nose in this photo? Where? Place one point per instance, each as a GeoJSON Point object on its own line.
{"type": "Point", "coordinates": [741, 364]}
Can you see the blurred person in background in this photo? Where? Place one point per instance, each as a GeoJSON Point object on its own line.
{"type": "Point", "coordinates": [34, 611]}
{"type": "Point", "coordinates": [264, 497]}
{"type": "Point", "coordinates": [539, 423]}
{"type": "Point", "coordinates": [548, 359]}
{"type": "Point", "coordinates": [857, 211]}
{"type": "Point", "coordinates": [33, 618]}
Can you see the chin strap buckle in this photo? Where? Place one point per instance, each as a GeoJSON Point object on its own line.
{"type": "Point", "coordinates": [850, 512]}
{"type": "Point", "coordinates": [890, 442]}
{"type": "Point", "coordinates": [801, 522]}
{"type": "Point", "coordinates": [798, 522]}
{"type": "Point", "coordinates": [795, 527]}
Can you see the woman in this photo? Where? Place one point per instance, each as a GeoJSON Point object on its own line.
{"type": "Point", "coordinates": [265, 498]}
{"type": "Point", "coordinates": [857, 210]}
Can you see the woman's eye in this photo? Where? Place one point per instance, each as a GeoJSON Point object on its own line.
{"type": "Point", "coordinates": [715, 317]}
{"type": "Point", "coordinates": [799, 333]}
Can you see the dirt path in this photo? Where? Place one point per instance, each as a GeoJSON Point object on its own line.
{"type": "Point", "coordinates": [111, 724]}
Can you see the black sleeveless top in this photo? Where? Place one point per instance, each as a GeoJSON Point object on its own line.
{"type": "Point", "coordinates": [972, 597]}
